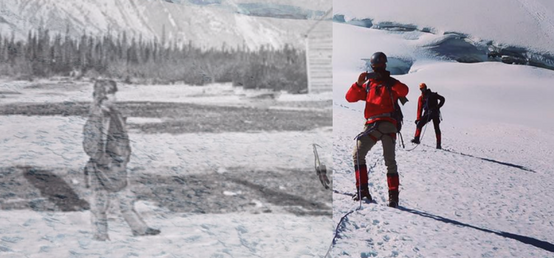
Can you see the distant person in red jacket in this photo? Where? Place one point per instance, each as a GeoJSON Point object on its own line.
{"type": "Point", "coordinates": [429, 104]}
{"type": "Point", "coordinates": [380, 92]}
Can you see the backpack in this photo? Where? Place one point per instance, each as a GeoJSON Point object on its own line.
{"type": "Point", "coordinates": [397, 113]}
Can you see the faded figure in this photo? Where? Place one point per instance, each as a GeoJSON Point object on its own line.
{"type": "Point", "coordinates": [106, 142]}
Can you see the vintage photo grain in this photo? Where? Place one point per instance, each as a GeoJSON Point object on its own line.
{"type": "Point", "coordinates": [150, 128]}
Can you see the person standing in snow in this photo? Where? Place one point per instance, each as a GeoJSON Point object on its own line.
{"type": "Point", "coordinates": [106, 142]}
{"type": "Point", "coordinates": [380, 92]}
{"type": "Point", "coordinates": [429, 104]}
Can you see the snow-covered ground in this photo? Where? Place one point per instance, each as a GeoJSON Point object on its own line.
{"type": "Point", "coordinates": [54, 142]}
{"type": "Point", "coordinates": [62, 135]}
{"type": "Point", "coordinates": [56, 234]}
{"type": "Point", "coordinates": [488, 193]}
{"type": "Point", "coordinates": [61, 89]}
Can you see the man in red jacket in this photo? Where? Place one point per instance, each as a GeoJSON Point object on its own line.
{"type": "Point", "coordinates": [380, 93]}
{"type": "Point", "coordinates": [429, 103]}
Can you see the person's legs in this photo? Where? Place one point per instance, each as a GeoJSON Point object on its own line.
{"type": "Point", "coordinates": [389, 145]}
{"type": "Point", "coordinates": [133, 219]}
{"type": "Point", "coordinates": [363, 146]}
{"type": "Point", "coordinates": [98, 206]}
{"type": "Point", "coordinates": [436, 122]}
{"type": "Point", "coordinates": [424, 119]}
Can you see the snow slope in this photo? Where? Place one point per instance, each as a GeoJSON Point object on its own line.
{"type": "Point", "coordinates": [487, 194]}
{"type": "Point", "coordinates": [204, 26]}
{"type": "Point", "coordinates": [54, 143]}
{"type": "Point", "coordinates": [57, 234]}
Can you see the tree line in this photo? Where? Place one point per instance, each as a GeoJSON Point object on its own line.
{"type": "Point", "coordinates": [134, 59]}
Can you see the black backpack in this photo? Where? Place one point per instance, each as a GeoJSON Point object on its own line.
{"type": "Point", "coordinates": [397, 113]}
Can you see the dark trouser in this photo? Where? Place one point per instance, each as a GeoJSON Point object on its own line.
{"type": "Point", "coordinates": [100, 202]}
{"type": "Point", "coordinates": [436, 121]}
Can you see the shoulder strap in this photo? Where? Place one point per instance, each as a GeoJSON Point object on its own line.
{"type": "Point", "coordinates": [391, 81]}
{"type": "Point", "coordinates": [388, 84]}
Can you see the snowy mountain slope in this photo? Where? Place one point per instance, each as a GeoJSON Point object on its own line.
{"type": "Point", "coordinates": [319, 5]}
{"type": "Point", "coordinates": [487, 194]}
{"type": "Point", "coordinates": [502, 90]}
{"type": "Point", "coordinates": [206, 26]}
{"type": "Point", "coordinates": [470, 200]}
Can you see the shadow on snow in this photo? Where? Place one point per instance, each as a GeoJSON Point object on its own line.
{"type": "Point", "coordinates": [523, 239]}
{"type": "Point", "coordinates": [493, 161]}
{"type": "Point", "coordinates": [55, 189]}
{"type": "Point", "coordinates": [40, 189]}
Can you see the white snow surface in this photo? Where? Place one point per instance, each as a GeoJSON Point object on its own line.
{"type": "Point", "coordinates": [58, 140]}
{"type": "Point", "coordinates": [55, 141]}
{"type": "Point", "coordinates": [524, 23]}
{"type": "Point", "coordinates": [61, 234]}
{"type": "Point", "coordinates": [488, 193]}
{"type": "Point", "coordinates": [59, 136]}
{"type": "Point", "coordinates": [63, 89]}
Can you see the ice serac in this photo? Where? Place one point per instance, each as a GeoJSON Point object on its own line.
{"type": "Point", "coordinates": [475, 37]}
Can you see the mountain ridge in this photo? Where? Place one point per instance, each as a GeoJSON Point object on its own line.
{"type": "Point", "coordinates": [204, 26]}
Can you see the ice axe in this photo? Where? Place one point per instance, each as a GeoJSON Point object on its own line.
{"type": "Point", "coordinates": [320, 169]}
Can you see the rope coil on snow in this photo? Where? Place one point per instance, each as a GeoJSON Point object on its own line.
{"type": "Point", "coordinates": [420, 138]}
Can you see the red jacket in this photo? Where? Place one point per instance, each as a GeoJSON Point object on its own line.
{"type": "Point", "coordinates": [378, 99]}
{"type": "Point", "coordinates": [429, 102]}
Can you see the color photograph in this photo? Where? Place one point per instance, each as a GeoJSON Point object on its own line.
{"type": "Point", "coordinates": [443, 128]}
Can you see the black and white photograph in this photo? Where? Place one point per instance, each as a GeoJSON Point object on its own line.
{"type": "Point", "coordinates": [166, 128]}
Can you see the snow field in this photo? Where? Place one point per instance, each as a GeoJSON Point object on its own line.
{"type": "Point", "coordinates": [55, 142]}
{"type": "Point", "coordinates": [46, 234]}
{"type": "Point", "coordinates": [485, 195]}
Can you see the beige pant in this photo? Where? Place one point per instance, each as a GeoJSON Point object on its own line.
{"type": "Point", "coordinates": [99, 206]}
{"type": "Point", "coordinates": [384, 132]}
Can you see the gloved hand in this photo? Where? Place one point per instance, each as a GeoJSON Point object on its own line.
{"type": "Point", "coordinates": [362, 79]}
{"type": "Point", "coordinates": [416, 122]}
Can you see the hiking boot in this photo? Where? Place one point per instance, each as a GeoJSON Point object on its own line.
{"type": "Point", "coordinates": [363, 193]}
{"type": "Point", "coordinates": [148, 232]}
{"type": "Point", "coordinates": [416, 140]}
{"type": "Point", "coordinates": [393, 198]}
{"type": "Point", "coordinates": [439, 146]}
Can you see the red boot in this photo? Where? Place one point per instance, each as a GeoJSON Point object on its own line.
{"type": "Point", "coordinates": [362, 189]}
